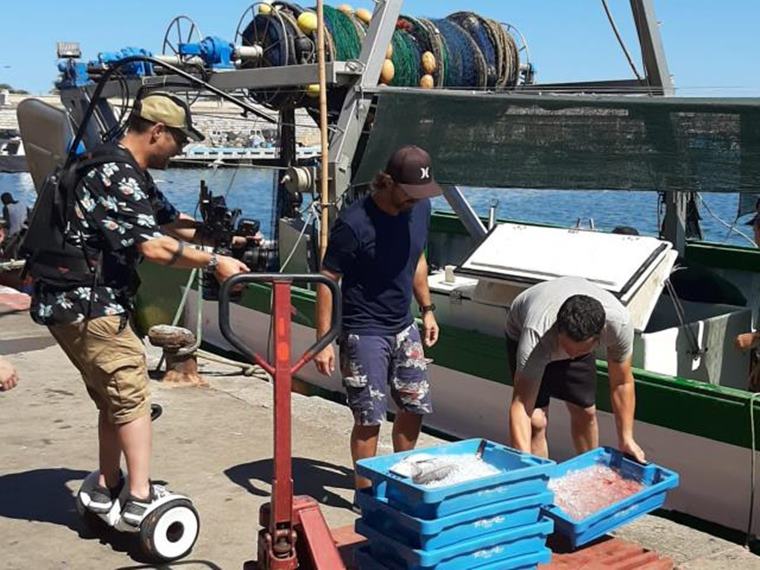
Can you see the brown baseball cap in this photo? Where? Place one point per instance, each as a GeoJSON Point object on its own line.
{"type": "Point", "coordinates": [172, 111]}
{"type": "Point", "coordinates": [411, 168]}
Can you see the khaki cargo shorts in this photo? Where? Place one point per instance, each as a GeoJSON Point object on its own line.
{"type": "Point", "coordinates": [111, 359]}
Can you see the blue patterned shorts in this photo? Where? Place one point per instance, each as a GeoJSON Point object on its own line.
{"type": "Point", "coordinates": [369, 363]}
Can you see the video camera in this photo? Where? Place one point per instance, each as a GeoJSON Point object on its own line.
{"type": "Point", "coordinates": [220, 225]}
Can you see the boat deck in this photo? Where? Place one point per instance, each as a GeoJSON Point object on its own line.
{"type": "Point", "coordinates": [215, 444]}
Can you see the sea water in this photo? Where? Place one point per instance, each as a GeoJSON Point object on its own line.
{"type": "Point", "coordinates": [251, 191]}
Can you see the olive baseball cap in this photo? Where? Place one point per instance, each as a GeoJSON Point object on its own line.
{"type": "Point", "coordinates": [411, 168]}
{"type": "Point", "coordinates": [172, 111]}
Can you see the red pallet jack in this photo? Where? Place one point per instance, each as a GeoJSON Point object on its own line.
{"type": "Point", "coordinates": [294, 533]}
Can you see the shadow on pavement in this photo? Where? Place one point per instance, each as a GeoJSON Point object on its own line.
{"type": "Point", "coordinates": [310, 477]}
{"type": "Point", "coordinates": [42, 495]}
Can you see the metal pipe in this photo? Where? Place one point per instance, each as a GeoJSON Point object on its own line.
{"type": "Point", "coordinates": [171, 59]}
{"type": "Point", "coordinates": [464, 212]}
{"type": "Point", "coordinates": [249, 52]}
{"type": "Point", "coordinates": [492, 214]}
{"type": "Point", "coordinates": [324, 220]}
{"type": "Point", "coordinates": [652, 51]}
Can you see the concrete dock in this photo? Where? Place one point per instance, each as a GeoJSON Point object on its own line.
{"type": "Point", "coordinates": [215, 444]}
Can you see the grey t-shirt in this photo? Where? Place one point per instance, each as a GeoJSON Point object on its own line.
{"type": "Point", "coordinates": [533, 314]}
{"type": "Point", "coordinates": [15, 216]}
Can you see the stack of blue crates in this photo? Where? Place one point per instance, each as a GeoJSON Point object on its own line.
{"type": "Point", "coordinates": [493, 522]}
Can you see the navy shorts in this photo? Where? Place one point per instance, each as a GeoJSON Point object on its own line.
{"type": "Point", "coordinates": [572, 380]}
{"type": "Point", "coordinates": [370, 363]}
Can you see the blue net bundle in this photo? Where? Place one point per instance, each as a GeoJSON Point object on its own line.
{"type": "Point", "coordinates": [465, 66]}
{"type": "Point", "coordinates": [480, 33]}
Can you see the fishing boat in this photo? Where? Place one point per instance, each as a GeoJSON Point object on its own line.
{"type": "Point", "coordinates": [462, 88]}
{"type": "Point", "coordinates": [199, 155]}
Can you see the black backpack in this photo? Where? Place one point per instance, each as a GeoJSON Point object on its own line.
{"type": "Point", "coordinates": [50, 257]}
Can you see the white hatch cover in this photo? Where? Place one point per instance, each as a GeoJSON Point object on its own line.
{"type": "Point", "coordinates": [633, 268]}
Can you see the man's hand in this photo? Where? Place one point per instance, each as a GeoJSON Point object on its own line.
{"type": "Point", "coordinates": [242, 241]}
{"type": "Point", "coordinates": [430, 329]}
{"type": "Point", "coordinates": [8, 375]}
{"type": "Point", "coordinates": [227, 267]}
{"type": "Point", "coordinates": [325, 360]}
{"type": "Point", "coordinates": [632, 448]}
{"type": "Point", "coordinates": [745, 341]}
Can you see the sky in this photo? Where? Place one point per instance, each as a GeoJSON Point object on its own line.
{"type": "Point", "coordinates": [713, 46]}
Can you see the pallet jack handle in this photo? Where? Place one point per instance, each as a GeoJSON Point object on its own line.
{"type": "Point", "coordinates": [275, 278]}
{"type": "Point", "coordinates": [286, 520]}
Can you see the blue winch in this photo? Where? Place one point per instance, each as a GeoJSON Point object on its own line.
{"type": "Point", "coordinates": [73, 74]}
{"type": "Point", "coordinates": [134, 69]}
{"type": "Point", "coordinates": [215, 52]}
{"type": "Point", "coordinates": [76, 73]}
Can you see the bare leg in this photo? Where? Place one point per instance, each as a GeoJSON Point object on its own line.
{"type": "Point", "coordinates": [539, 420]}
{"type": "Point", "coordinates": [109, 452]}
{"type": "Point", "coordinates": [406, 430]}
{"type": "Point", "coordinates": [583, 427]}
{"type": "Point", "coordinates": [135, 441]}
{"type": "Point", "coordinates": [363, 445]}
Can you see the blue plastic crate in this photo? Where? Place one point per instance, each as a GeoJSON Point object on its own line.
{"type": "Point", "coordinates": [520, 474]}
{"type": "Point", "coordinates": [444, 531]}
{"type": "Point", "coordinates": [657, 481]}
{"type": "Point", "coordinates": [366, 561]}
{"type": "Point", "coordinates": [465, 555]}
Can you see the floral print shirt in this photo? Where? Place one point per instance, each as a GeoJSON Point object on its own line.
{"type": "Point", "coordinates": [117, 209]}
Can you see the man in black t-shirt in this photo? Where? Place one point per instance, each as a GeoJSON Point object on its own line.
{"type": "Point", "coordinates": [377, 250]}
{"type": "Point", "coordinates": [119, 218]}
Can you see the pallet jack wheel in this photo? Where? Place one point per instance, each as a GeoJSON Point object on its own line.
{"type": "Point", "coordinates": [170, 532]}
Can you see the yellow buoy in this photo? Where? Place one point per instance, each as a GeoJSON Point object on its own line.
{"type": "Point", "coordinates": [428, 62]}
{"type": "Point", "coordinates": [312, 90]}
{"type": "Point", "coordinates": [364, 15]}
{"type": "Point", "coordinates": [427, 82]}
{"type": "Point", "coordinates": [265, 9]}
{"type": "Point", "coordinates": [346, 9]}
{"type": "Point", "coordinates": [388, 71]}
{"type": "Point", "coordinates": [307, 22]}
{"type": "Point", "coordinates": [389, 51]}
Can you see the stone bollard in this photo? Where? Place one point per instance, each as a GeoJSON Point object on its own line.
{"type": "Point", "coordinates": [181, 366]}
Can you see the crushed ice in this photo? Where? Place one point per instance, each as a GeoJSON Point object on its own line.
{"type": "Point", "coordinates": [583, 492]}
